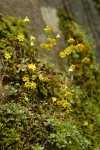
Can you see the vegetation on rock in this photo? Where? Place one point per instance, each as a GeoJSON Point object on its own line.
{"type": "Point", "coordinates": [47, 109]}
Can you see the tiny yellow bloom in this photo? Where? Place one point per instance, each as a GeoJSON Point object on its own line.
{"type": "Point", "coordinates": [57, 36]}
{"type": "Point", "coordinates": [70, 41]}
{"type": "Point", "coordinates": [25, 78]}
{"type": "Point", "coordinates": [48, 29]}
{"type": "Point", "coordinates": [85, 123]}
{"type": "Point", "coordinates": [41, 77]}
{"type": "Point", "coordinates": [26, 19]}
{"type": "Point", "coordinates": [63, 87]}
{"type": "Point", "coordinates": [49, 47]}
{"type": "Point", "coordinates": [69, 50]}
{"type": "Point", "coordinates": [79, 47]}
{"type": "Point", "coordinates": [32, 43]}
{"type": "Point", "coordinates": [7, 55]}
{"type": "Point", "coordinates": [32, 38]}
{"type": "Point", "coordinates": [86, 60]}
{"type": "Point", "coordinates": [27, 84]}
{"type": "Point", "coordinates": [20, 37]}
{"type": "Point", "coordinates": [72, 68]}
{"type": "Point", "coordinates": [68, 95]}
{"type": "Point", "coordinates": [53, 42]}
{"type": "Point", "coordinates": [33, 77]}
{"type": "Point", "coordinates": [65, 104]}
{"type": "Point", "coordinates": [32, 66]}
{"type": "Point", "coordinates": [62, 54]}
{"type": "Point", "coordinates": [6, 87]}
{"type": "Point", "coordinates": [54, 99]}
{"type": "Point", "coordinates": [33, 85]}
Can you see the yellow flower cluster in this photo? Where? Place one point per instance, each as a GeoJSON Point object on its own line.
{"type": "Point", "coordinates": [32, 66]}
{"type": "Point", "coordinates": [7, 55]}
{"type": "Point", "coordinates": [50, 41]}
{"type": "Point", "coordinates": [67, 51]}
{"type": "Point", "coordinates": [48, 29]}
{"type": "Point", "coordinates": [49, 46]}
{"type": "Point", "coordinates": [86, 60]}
{"type": "Point", "coordinates": [63, 87]}
{"type": "Point", "coordinates": [64, 104]}
{"type": "Point", "coordinates": [20, 37]}
{"type": "Point", "coordinates": [79, 47]}
{"type": "Point", "coordinates": [31, 85]}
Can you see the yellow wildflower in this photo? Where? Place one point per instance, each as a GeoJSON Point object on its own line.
{"type": "Point", "coordinates": [49, 47]}
{"type": "Point", "coordinates": [32, 66]}
{"type": "Point", "coordinates": [62, 54]}
{"type": "Point", "coordinates": [79, 47]}
{"type": "Point", "coordinates": [68, 50]}
{"type": "Point", "coordinates": [21, 37]}
{"type": "Point", "coordinates": [68, 95]}
{"type": "Point", "coordinates": [33, 85]}
{"type": "Point", "coordinates": [53, 41]}
{"type": "Point", "coordinates": [33, 77]}
{"type": "Point", "coordinates": [25, 78]}
{"type": "Point", "coordinates": [7, 55]}
{"type": "Point", "coordinates": [32, 38]}
{"type": "Point", "coordinates": [54, 99]}
{"type": "Point", "coordinates": [91, 126]}
{"type": "Point", "coordinates": [32, 43]}
{"type": "Point", "coordinates": [57, 36]}
{"type": "Point", "coordinates": [72, 68]}
{"type": "Point", "coordinates": [6, 87]}
{"type": "Point", "coordinates": [41, 77]}
{"type": "Point", "coordinates": [26, 19]}
{"type": "Point", "coordinates": [26, 98]}
{"type": "Point", "coordinates": [66, 104]}
{"type": "Point", "coordinates": [63, 87]}
{"type": "Point", "coordinates": [48, 29]}
{"type": "Point", "coordinates": [70, 41]}
{"type": "Point", "coordinates": [85, 123]}
{"type": "Point", "coordinates": [27, 84]}
{"type": "Point", "coordinates": [86, 60]}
